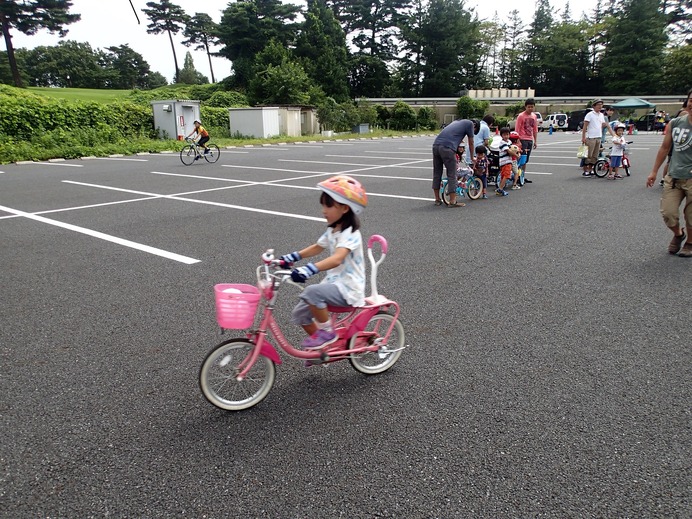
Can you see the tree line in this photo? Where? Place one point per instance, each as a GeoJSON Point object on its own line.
{"type": "Point", "coordinates": [344, 49]}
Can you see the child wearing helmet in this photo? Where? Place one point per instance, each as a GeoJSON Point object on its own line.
{"type": "Point", "coordinates": [343, 199]}
{"type": "Point", "coordinates": [618, 150]}
{"type": "Point", "coordinates": [517, 160]}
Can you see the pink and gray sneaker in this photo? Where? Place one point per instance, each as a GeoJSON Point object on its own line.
{"type": "Point", "coordinates": [319, 339]}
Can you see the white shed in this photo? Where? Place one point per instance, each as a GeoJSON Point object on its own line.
{"type": "Point", "coordinates": [258, 122]}
{"type": "Point", "coordinates": [173, 119]}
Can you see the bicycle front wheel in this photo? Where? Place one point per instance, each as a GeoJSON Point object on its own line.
{"type": "Point", "coordinates": [601, 168]}
{"type": "Point", "coordinates": [188, 154]}
{"type": "Point", "coordinates": [373, 362]}
{"type": "Point", "coordinates": [213, 154]}
{"type": "Point", "coordinates": [474, 188]}
{"type": "Point", "coordinates": [219, 371]}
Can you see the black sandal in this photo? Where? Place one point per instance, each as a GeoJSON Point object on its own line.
{"type": "Point", "coordinates": [438, 202]}
{"type": "Point", "coordinates": [457, 204]}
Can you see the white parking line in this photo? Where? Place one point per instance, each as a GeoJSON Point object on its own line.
{"type": "Point", "coordinates": [122, 159]}
{"type": "Point", "coordinates": [203, 202]}
{"type": "Point", "coordinates": [102, 236]}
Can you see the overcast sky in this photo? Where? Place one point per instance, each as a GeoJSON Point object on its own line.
{"type": "Point", "coordinates": [107, 23]}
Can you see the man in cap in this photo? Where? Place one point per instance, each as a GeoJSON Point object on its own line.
{"type": "Point", "coordinates": [591, 134]}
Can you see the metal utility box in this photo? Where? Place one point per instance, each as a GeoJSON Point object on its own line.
{"type": "Point", "coordinates": [259, 122]}
{"type": "Point", "coordinates": [173, 119]}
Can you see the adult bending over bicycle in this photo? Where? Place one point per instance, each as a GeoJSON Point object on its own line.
{"type": "Point", "coordinates": [202, 136]}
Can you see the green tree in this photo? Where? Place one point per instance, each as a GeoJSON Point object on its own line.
{"type": "Point", "coordinates": [189, 75]}
{"type": "Point", "coordinates": [368, 76]}
{"type": "Point", "coordinates": [409, 75]}
{"type": "Point", "coordinates": [5, 72]}
{"type": "Point", "coordinates": [676, 70]}
{"type": "Point", "coordinates": [166, 17]}
{"type": "Point", "coordinates": [511, 52]}
{"type": "Point", "coordinates": [245, 28]}
{"type": "Point", "coordinates": [536, 47]}
{"type": "Point", "coordinates": [128, 68]}
{"type": "Point", "coordinates": [200, 31]}
{"type": "Point", "coordinates": [372, 25]}
{"type": "Point", "coordinates": [632, 59]}
{"type": "Point", "coordinates": [67, 64]}
{"type": "Point", "coordinates": [566, 60]}
{"type": "Point", "coordinates": [321, 49]}
{"type": "Point", "coordinates": [28, 16]}
{"type": "Point", "coordinates": [278, 79]}
{"type": "Point", "coordinates": [154, 80]}
{"type": "Point", "coordinates": [450, 38]}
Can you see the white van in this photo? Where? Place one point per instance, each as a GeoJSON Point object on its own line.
{"type": "Point", "coordinates": [557, 121]}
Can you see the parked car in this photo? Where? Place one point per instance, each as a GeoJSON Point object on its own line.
{"type": "Point", "coordinates": [646, 122]}
{"type": "Point", "coordinates": [575, 121]}
{"type": "Point", "coordinates": [513, 123]}
{"type": "Point", "coordinates": [557, 121]}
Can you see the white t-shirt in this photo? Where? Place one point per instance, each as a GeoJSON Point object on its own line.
{"type": "Point", "coordinates": [349, 277]}
{"type": "Point", "coordinates": [619, 144]}
{"type": "Point", "coordinates": [595, 128]}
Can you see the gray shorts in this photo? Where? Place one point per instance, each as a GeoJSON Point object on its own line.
{"type": "Point", "coordinates": [320, 295]}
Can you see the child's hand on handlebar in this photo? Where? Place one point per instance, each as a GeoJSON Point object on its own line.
{"type": "Point", "coordinates": [301, 274]}
{"type": "Point", "coordinates": [287, 260]}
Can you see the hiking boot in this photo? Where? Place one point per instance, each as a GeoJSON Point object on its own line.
{"type": "Point", "coordinates": [676, 243]}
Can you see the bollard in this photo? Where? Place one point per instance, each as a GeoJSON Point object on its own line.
{"type": "Point", "coordinates": [550, 130]}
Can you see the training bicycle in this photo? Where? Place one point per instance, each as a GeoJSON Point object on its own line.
{"type": "Point", "coordinates": [603, 168]}
{"type": "Point", "coordinates": [191, 152]}
{"type": "Point", "coordinates": [467, 185]}
{"type": "Point", "coordinates": [239, 373]}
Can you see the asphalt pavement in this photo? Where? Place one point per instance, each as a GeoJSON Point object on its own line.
{"type": "Point", "coordinates": [548, 370]}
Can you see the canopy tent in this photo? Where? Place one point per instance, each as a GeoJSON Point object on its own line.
{"type": "Point", "coordinates": [633, 102]}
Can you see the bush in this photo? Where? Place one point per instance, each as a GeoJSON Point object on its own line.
{"type": "Point", "coordinates": [403, 117]}
{"type": "Point", "coordinates": [427, 118]}
{"type": "Point", "coordinates": [468, 108]}
{"type": "Point", "coordinates": [512, 111]}
{"type": "Point", "coordinates": [227, 99]}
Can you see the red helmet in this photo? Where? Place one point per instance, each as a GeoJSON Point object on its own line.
{"type": "Point", "coordinates": [346, 190]}
{"type": "Point", "coordinates": [513, 135]}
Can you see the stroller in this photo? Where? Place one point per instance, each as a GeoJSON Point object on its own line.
{"type": "Point", "coordinates": [494, 164]}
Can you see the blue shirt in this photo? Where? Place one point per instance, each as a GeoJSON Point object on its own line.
{"type": "Point", "coordinates": [479, 139]}
{"type": "Point", "coordinates": [452, 134]}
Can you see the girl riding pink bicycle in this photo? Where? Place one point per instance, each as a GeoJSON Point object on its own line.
{"type": "Point", "coordinates": [342, 323]}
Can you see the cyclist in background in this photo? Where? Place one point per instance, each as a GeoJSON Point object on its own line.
{"type": "Point", "coordinates": [202, 136]}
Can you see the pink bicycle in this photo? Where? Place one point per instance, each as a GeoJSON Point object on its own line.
{"type": "Point", "coordinates": [239, 373]}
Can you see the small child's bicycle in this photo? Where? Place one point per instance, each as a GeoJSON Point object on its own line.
{"type": "Point", "coordinates": [191, 152]}
{"type": "Point", "coordinates": [603, 168]}
{"type": "Point", "coordinates": [239, 373]}
{"type": "Point", "coordinates": [467, 185]}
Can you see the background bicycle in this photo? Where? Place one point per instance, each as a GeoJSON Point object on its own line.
{"type": "Point", "coordinates": [192, 152]}
{"type": "Point", "coordinates": [467, 185]}
{"type": "Point", "coordinates": [602, 167]}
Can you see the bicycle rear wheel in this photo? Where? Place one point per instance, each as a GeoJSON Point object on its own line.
{"type": "Point", "coordinates": [474, 188]}
{"type": "Point", "coordinates": [188, 154]}
{"type": "Point", "coordinates": [601, 168]}
{"type": "Point", "coordinates": [219, 371]}
{"type": "Point", "coordinates": [213, 154]}
{"type": "Point", "coordinates": [373, 362]}
{"type": "Point", "coordinates": [443, 192]}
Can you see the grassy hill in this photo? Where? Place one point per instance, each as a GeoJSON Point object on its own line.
{"type": "Point", "coordinates": [82, 94]}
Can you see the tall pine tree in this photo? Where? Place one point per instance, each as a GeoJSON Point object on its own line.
{"type": "Point", "coordinates": [29, 17]}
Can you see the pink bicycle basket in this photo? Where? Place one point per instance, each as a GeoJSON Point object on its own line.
{"type": "Point", "coordinates": [236, 305]}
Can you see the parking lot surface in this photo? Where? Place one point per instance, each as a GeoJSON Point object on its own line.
{"type": "Point", "coordinates": [547, 372]}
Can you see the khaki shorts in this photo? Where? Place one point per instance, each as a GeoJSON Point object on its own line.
{"type": "Point", "coordinates": [674, 191]}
